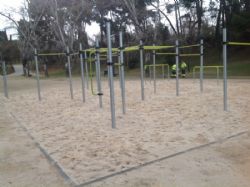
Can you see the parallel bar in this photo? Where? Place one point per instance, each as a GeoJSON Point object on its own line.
{"type": "Point", "coordinates": [110, 73]}
{"type": "Point", "coordinates": [98, 73]}
{"type": "Point", "coordinates": [154, 70]}
{"type": "Point", "coordinates": [86, 68]}
{"type": "Point", "coordinates": [177, 67]}
{"type": "Point", "coordinates": [37, 77]}
{"type": "Point", "coordinates": [5, 85]}
{"type": "Point", "coordinates": [189, 46]}
{"type": "Point", "coordinates": [142, 71]}
{"type": "Point", "coordinates": [205, 67]}
{"type": "Point", "coordinates": [225, 68]}
{"type": "Point", "coordinates": [51, 54]}
{"type": "Point", "coordinates": [183, 55]}
{"type": "Point", "coordinates": [201, 65]}
{"type": "Point", "coordinates": [82, 74]}
{"type": "Point", "coordinates": [70, 75]}
{"type": "Point", "coordinates": [156, 65]}
{"type": "Point", "coordinates": [239, 43]}
{"type": "Point", "coordinates": [122, 73]}
{"type": "Point", "coordinates": [165, 53]}
{"type": "Point", "coordinates": [157, 47]}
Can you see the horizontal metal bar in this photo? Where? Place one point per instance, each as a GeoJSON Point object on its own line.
{"type": "Point", "coordinates": [51, 54]}
{"type": "Point", "coordinates": [189, 55]}
{"type": "Point", "coordinates": [189, 46]}
{"type": "Point", "coordinates": [239, 43]}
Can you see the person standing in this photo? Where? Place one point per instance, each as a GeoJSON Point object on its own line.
{"type": "Point", "coordinates": [183, 69]}
{"type": "Point", "coordinates": [173, 68]}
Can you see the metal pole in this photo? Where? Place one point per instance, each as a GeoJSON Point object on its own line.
{"type": "Point", "coordinates": [86, 68]}
{"type": "Point", "coordinates": [119, 69]}
{"type": "Point", "coordinates": [168, 73]}
{"type": "Point", "coordinates": [110, 74]}
{"type": "Point", "coordinates": [142, 71]}
{"type": "Point", "coordinates": [163, 71]}
{"type": "Point", "coordinates": [70, 75]}
{"type": "Point", "coordinates": [225, 68]}
{"type": "Point", "coordinates": [98, 74]}
{"type": "Point", "coordinates": [5, 80]}
{"type": "Point", "coordinates": [82, 74]}
{"type": "Point", "coordinates": [201, 64]}
{"type": "Point", "coordinates": [150, 73]}
{"type": "Point", "coordinates": [37, 76]}
{"type": "Point", "coordinates": [218, 75]}
{"type": "Point", "coordinates": [177, 66]}
{"type": "Point", "coordinates": [193, 73]}
{"type": "Point", "coordinates": [154, 70]}
{"type": "Point", "coordinates": [122, 73]}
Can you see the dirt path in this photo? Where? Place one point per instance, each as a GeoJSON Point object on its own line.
{"type": "Point", "coordinates": [21, 162]}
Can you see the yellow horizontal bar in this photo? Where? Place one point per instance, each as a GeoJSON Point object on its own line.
{"type": "Point", "coordinates": [132, 48]}
{"type": "Point", "coordinates": [189, 46]}
{"type": "Point", "coordinates": [208, 67]}
{"type": "Point", "coordinates": [189, 55]}
{"type": "Point", "coordinates": [51, 54]}
{"type": "Point", "coordinates": [239, 43]}
{"type": "Point", "coordinates": [157, 47]}
{"type": "Point", "coordinates": [165, 53]}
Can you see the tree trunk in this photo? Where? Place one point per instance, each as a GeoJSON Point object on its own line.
{"type": "Point", "coordinates": [218, 24]}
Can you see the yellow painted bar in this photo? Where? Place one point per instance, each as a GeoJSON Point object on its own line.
{"type": "Point", "coordinates": [132, 48]}
{"type": "Point", "coordinates": [189, 46]}
{"type": "Point", "coordinates": [239, 43]}
{"type": "Point", "coordinates": [157, 47]}
{"type": "Point", "coordinates": [51, 54]}
{"type": "Point", "coordinates": [195, 67]}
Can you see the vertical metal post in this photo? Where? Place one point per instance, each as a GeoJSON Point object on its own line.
{"type": "Point", "coordinates": [5, 80]}
{"type": "Point", "coordinates": [110, 74]}
{"type": "Point", "coordinates": [163, 71]}
{"type": "Point", "coordinates": [154, 70]}
{"type": "Point", "coordinates": [37, 77]}
{"type": "Point", "coordinates": [86, 68]}
{"type": "Point", "coordinates": [150, 73]}
{"type": "Point", "coordinates": [193, 73]}
{"type": "Point", "coordinates": [70, 75]}
{"type": "Point", "coordinates": [201, 64]}
{"type": "Point", "coordinates": [122, 72]}
{"type": "Point", "coordinates": [177, 66]}
{"type": "Point", "coordinates": [82, 74]}
{"type": "Point", "coordinates": [168, 72]}
{"type": "Point", "coordinates": [218, 75]}
{"type": "Point", "coordinates": [225, 68]}
{"type": "Point", "coordinates": [119, 68]}
{"type": "Point", "coordinates": [142, 71]}
{"type": "Point", "coordinates": [98, 73]}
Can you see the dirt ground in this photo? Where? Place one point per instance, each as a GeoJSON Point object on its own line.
{"type": "Point", "coordinates": [79, 137]}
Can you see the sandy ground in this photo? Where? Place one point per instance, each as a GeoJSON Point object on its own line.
{"type": "Point", "coordinates": [79, 136]}
{"type": "Point", "coordinates": [21, 162]}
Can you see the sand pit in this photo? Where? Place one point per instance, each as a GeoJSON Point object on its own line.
{"type": "Point", "coordinates": [79, 135]}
